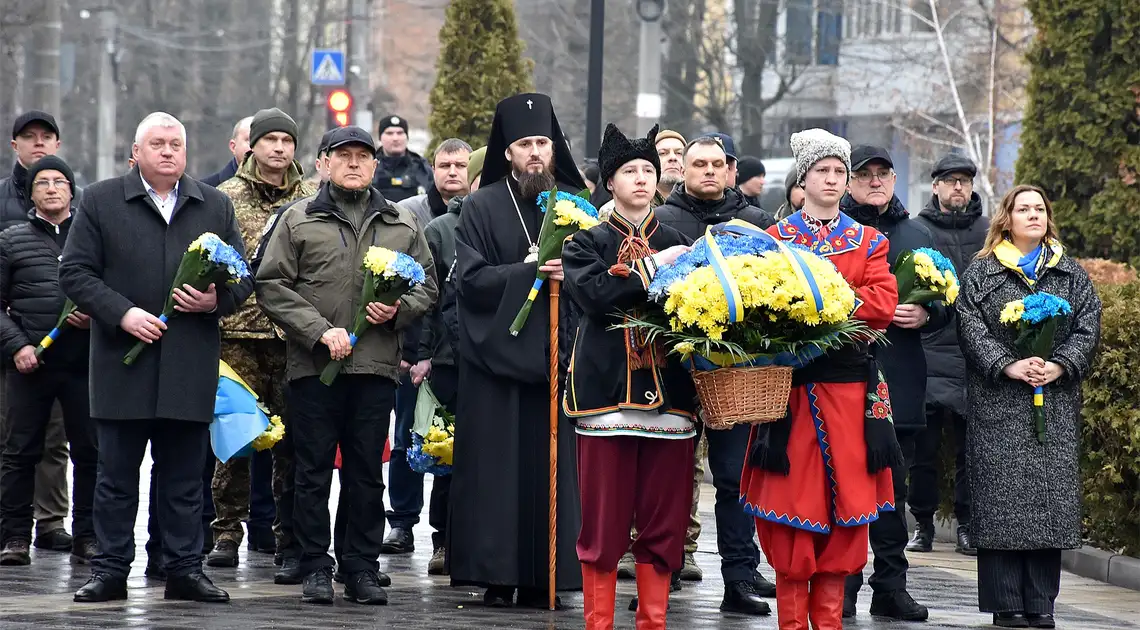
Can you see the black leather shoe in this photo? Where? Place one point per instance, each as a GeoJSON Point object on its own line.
{"type": "Point", "coordinates": [318, 587]}
{"type": "Point", "coordinates": [102, 588]}
{"type": "Point", "coordinates": [16, 553]}
{"type": "Point", "coordinates": [261, 540]}
{"type": "Point", "coordinates": [195, 587]}
{"type": "Point", "coordinates": [290, 571]}
{"type": "Point", "coordinates": [848, 606]}
{"type": "Point", "coordinates": [55, 540]}
{"type": "Point", "coordinates": [1041, 621]}
{"type": "Point", "coordinates": [364, 588]}
{"type": "Point", "coordinates": [964, 546]}
{"type": "Point", "coordinates": [923, 540]}
{"type": "Point", "coordinates": [764, 588]}
{"type": "Point", "coordinates": [398, 541]}
{"type": "Point", "coordinates": [898, 605]}
{"type": "Point", "coordinates": [499, 597]}
{"type": "Point", "coordinates": [537, 598]}
{"type": "Point", "coordinates": [384, 579]}
{"type": "Point", "coordinates": [741, 597]}
{"type": "Point", "coordinates": [1010, 620]}
{"type": "Point", "coordinates": [83, 551]}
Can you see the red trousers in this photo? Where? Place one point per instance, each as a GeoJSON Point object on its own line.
{"type": "Point", "coordinates": [634, 481]}
{"type": "Point", "coordinates": [800, 554]}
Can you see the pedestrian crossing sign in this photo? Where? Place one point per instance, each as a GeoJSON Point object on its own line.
{"type": "Point", "coordinates": [327, 67]}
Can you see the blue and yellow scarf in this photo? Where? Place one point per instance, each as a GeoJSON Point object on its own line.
{"type": "Point", "coordinates": [1029, 266]}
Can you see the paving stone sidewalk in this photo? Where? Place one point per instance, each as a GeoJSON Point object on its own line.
{"type": "Point", "coordinates": [40, 597]}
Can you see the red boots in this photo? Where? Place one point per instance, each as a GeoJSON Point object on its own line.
{"type": "Point", "coordinates": [792, 603]}
{"type": "Point", "coordinates": [821, 601]}
{"type": "Point", "coordinates": [599, 591]}
{"type": "Point", "coordinates": [826, 601]}
{"type": "Point", "coordinates": [652, 597]}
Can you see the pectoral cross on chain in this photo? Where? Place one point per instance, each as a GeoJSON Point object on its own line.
{"type": "Point", "coordinates": [529, 104]}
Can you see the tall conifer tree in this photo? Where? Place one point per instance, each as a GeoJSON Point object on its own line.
{"type": "Point", "coordinates": [1081, 137]}
{"type": "Point", "coordinates": [480, 63]}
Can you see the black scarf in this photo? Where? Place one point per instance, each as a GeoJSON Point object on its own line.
{"type": "Point", "coordinates": [435, 202]}
{"type": "Point", "coordinates": [850, 365]}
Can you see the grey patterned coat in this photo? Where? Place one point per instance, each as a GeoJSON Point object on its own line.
{"type": "Point", "coordinates": [1026, 495]}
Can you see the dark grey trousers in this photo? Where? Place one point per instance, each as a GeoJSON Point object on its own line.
{"type": "Point", "coordinates": [1018, 581]}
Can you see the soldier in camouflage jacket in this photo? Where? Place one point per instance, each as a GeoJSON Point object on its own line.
{"type": "Point", "coordinates": [267, 179]}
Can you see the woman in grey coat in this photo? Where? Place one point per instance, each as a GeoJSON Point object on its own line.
{"type": "Point", "coordinates": [1027, 495]}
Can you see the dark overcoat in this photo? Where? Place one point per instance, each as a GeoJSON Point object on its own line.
{"type": "Point", "coordinates": [120, 254]}
{"type": "Point", "coordinates": [1026, 495]}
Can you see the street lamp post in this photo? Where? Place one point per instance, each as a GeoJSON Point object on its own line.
{"type": "Point", "coordinates": [649, 65]}
{"type": "Point", "coordinates": [594, 84]}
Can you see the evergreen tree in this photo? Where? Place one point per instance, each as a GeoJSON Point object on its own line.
{"type": "Point", "coordinates": [480, 63]}
{"type": "Point", "coordinates": [1081, 137]}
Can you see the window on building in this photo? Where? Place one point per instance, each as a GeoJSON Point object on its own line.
{"type": "Point", "coordinates": [921, 17]}
{"type": "Point", "coordinates": [799, 32]}
{"type": "Point", "coordinates": [829, 31]}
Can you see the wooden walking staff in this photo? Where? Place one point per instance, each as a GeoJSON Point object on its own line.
{"type": "Point", "coordinates": [553, 534]}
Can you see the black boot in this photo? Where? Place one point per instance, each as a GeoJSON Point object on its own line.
{"type": "Point", "coordinates": [898, 605]}
{"type": "Point", "coordinates": [290, 571]}
{"type": "Point", "coordinates": [499, 597]}
{"type": "Point", "coordinates": [965, 546]}
{"type": "Point", "coordinates": [1041, 621]}
{"type": "Point", "coordinates": [55, 540]}
{"type": "Point", "coordinates": [364, 588]}
{"type": "Point", "coordinates": [195, 587]}
{"type": "Point", "coordinates": [318, 587]}
{"type": "Point", "coordinates": [225, 554]}
{"type": "Point", "coordinates": [84, 550]}
{"type": "Point", "coordinates": [102, 588]}
{"type": "Point", "coordinates": [923, 540]}
{"type": "Point", "coordinates": [741, 597]}
{"type": "Point", "coordinates": [16, 552]}
{"type": "Point", "coordinates": [398, 541]}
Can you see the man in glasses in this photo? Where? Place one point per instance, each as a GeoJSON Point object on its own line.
{"type": "Point", "coordinates": [30, 303]}
{"type": "Point", "coordinates": [954, 216]}
{"type": "Point", "coordinates": [871, 200]}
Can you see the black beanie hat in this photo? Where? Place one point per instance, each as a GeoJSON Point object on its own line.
{"type": "Point", "coordinates": [748, 167]}
{"type": "Point", "coordinates": [617, 149]}
{"type": "Point", "coordinates": [270, 120]}
{"type": "Point", "coordinates": [48, 163]}
{"type": "Point", "coordinates": [393, 121]}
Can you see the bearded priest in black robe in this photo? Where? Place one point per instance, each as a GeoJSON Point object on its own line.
{"type": "Point", "coordinates": [500, 504]}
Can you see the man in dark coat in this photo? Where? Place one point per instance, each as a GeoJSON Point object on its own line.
{"type": "Point", "coordinates": [704, 198]}
{"type": "Point", "coordinates": [127, 241]}
{"type": "Point", "coordinates": [499, 505]}
{"type": "Point", "coordinates": [954, 217]}
{"type": "Point", "coordinates": [400, 173]}
{"type": "Point", "coordinates": [35, 134]}
{"type": "Point", "coordinates": [30, 304]}
{"type": "Point", "coordinates": [239, 146]}
{"type": "Point", "coordinates": [871, 200]}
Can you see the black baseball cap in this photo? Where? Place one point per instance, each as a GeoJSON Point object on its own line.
{"type": "Point", "coordinates": [865, 154]}
{"type": "Point", "coordinates": [34, 116]}
{"type": "Point", "coordinates": [725, 142]}
{"type": "Point", "coordinates": [323, 147]}
{"type": "Point", "coordinates": [342, 136]}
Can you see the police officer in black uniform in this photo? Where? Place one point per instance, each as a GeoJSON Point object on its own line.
{"type": "Point", "coordinates": [400, 173]}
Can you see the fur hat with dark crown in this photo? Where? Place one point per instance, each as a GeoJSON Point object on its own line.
{"type": "Point", "coordinates": [617, 149]}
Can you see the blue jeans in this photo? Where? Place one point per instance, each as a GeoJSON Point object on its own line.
{"type": "Point", "coordinates": [735, 530]}
{"type": "Point", "coordinates": [405, 487]}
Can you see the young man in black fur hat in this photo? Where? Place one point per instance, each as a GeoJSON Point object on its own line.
{"type": "Point", "coordinates": [635, 437]}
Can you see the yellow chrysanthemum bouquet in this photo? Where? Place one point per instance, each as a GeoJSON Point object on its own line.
{"type": "Point", "coordinates": [387, 276]}
{"type": "Point", "coordinates": [563, 215]}
{"type": "Point", "coordinates": [744, 305]}
{"type": "Point", "coordinates": [433, 435]}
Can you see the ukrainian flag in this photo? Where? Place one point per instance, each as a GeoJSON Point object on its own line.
{"type": "Point", "coordinates": [238, 418]}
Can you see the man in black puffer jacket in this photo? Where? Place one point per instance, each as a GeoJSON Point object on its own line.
{"type": "Point", "coordinates": [702, 200]}
{"type": "Point", "coordinates": [870, 200]}
{"type": "Point", "coordinates": [30, 303]}
{"type": "Point", "coordinates": [954, 216]}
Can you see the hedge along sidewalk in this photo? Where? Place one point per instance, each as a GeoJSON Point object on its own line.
{"type": "Point", "coordinates": [1089, 562]}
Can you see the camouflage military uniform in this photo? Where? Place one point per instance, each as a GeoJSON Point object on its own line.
{"type": "Point", "coordinates": [254, 349]}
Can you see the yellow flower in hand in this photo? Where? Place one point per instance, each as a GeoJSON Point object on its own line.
{"type": "Point", "coordinates": [1012, 312]}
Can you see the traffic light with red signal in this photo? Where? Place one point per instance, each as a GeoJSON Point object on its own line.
{"type": "Point", "coordinates": [340, 106]}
